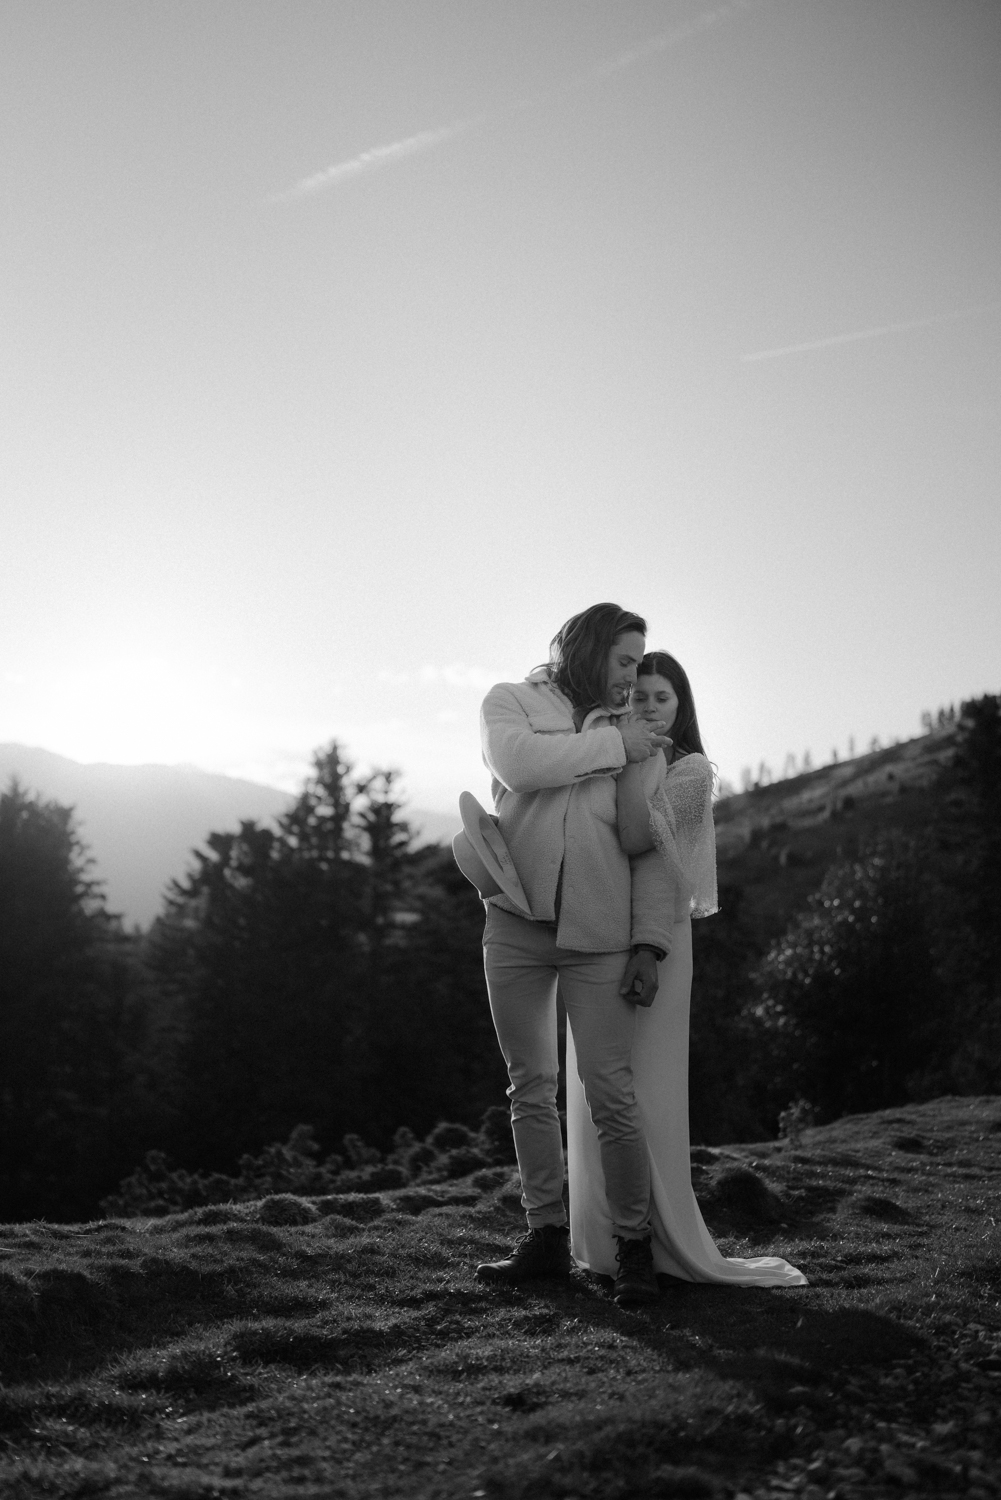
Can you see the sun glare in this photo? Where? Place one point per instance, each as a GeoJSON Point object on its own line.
{"type": "Point", "coordinates": [128, 709]}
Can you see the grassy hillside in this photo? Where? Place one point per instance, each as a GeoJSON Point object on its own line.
{"type": "Point", "coordinates": [777, 841]}
{"type": "Point", "coordinates": [341, 1347]}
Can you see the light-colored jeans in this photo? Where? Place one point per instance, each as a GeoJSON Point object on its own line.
{"type": "Point", "coordinates": [523, 965]}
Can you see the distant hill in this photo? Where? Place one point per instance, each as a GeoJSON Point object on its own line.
{"type": "Point", "coordinates": [141, 823]}
{"type": "Point", "coordinates": [775, 842]}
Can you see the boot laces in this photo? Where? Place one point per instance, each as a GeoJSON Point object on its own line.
{"type": "Point", "coordinates": [633, 1252]}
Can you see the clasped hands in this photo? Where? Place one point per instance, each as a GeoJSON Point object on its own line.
{"type": "Point", "coordinates": [641, 737]}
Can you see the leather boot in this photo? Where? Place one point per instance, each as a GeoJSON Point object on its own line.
{"type": "Point", "coordinates": [636, 1281]}
{"type": "Point", "coordinates": [541, 1252]}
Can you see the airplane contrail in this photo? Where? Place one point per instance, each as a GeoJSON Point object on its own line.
{"type": "Point", "coordinates": [427, 140]}
{"type": "Point", "coordinates": [665, 40]}
{"type": "Point", "coordinates": [369, 161]}
{"type": "Point", "coordinates": [871, 333]}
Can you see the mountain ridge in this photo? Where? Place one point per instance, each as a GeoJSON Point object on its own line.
{"type": "Point", "coordinates": [775, 842]}
{"type": "Point", "coordinates": [142, 823]}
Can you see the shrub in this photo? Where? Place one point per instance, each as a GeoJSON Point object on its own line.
{"type": "Point", "coordinates": [445, 1136]}
{"type": "Point", "coordinates": [404, 1141]}
{"type": "Point", "coordinates": [461, 1161]}
{"type": "Point", "coordinates": [495, 1138]}
{"type": "Point", "coordinates": [360, 1155]}
{"type": "Point", "coordinates": [374, 1179]}
{"type": "Point", "coordinates": [848, 1004]}
{"type": "Point", "coordinates": [799, 1115]}
{"type": "Point", "coordinates": [490, 1179]}
{"type": "Point", "coordinates": [156, 1187]}
{"type": "Point", "coordinates": [741, 1195]}
{"type": "Point", "coordinates": [419, 1157]}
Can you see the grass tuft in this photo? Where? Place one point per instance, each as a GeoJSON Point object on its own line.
{"type": "Point", "coordinates": [362, 1207]}
{"type": "Point", "coordinates": [285, 1208]}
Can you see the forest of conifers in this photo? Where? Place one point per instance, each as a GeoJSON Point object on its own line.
{"type": "Point", "coordinates": [328, 974]}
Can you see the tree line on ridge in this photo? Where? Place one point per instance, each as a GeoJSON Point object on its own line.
{"type": "Point", "coordinates": [327, 973]}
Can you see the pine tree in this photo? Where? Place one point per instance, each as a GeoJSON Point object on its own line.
{"type": "Point", "coordinates": [63, 1002]}
{"type": "Point", "coordinates": [326, 972]}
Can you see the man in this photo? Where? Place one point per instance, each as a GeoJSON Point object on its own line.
{"type": "Point", "coordinates": [554, 745]}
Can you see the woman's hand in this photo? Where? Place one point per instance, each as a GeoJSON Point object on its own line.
{"type": "Point", "coordinates": [642, 737]}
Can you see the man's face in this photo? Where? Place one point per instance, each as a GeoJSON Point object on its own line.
{"type": "Point", "coordinates": [623, 659]}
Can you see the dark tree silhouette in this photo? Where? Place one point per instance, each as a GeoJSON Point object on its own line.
{"type": "Point", "coordinates": [968, 861]}
{"type": "Point", "coordinates": [849, 1004]}
{"type": "Point", "coordinates": [66, 1024]}
{"type": "Point", "coordinates": [722, 1105]}
{"type": "Point", "coordinates": [326, 972]}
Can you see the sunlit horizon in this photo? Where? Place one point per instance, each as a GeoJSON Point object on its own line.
{"type": "Point", "coordinates": [350, 359]}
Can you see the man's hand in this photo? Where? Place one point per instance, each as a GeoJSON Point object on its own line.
{"type": "Point", "coordinates": [642, 738]}
{"type": "Point", "coordinates": [639, 982]}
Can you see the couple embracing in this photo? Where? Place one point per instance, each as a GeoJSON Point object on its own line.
{"type": "Point", "coordinates": [603, 798]}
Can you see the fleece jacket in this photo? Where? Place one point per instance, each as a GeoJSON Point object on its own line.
{"type": "Point", "coordinates": [554, 795]}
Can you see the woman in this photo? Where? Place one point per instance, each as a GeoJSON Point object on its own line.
{"type": "Point", "coordinates": [664, 802]}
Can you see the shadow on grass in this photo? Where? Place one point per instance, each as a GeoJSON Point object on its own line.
{"type": "Point", "coordinates": [767, 1337]}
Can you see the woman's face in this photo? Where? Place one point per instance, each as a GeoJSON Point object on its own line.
{"type": "Point", "coordinates": [654, 698]}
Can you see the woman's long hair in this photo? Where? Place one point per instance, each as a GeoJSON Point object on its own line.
{"type": "Point", "coordinates": [685, 729]}
{"type": "Point", "coordinates": [578, 652]}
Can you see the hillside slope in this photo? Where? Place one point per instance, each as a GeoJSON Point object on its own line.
{"type": "Point", "coordinates": [142, 822]}
{"type": "Point", "coordinates": [342, 1347]}
{"type": "Point", "coordinates": [775, 842]}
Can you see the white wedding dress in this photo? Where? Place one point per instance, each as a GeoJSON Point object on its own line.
{"type": "Point", "coordinates": [680, 799]}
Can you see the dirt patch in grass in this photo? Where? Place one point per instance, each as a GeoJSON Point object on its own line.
{"type": "Point", "coordinates": [345, 1349]}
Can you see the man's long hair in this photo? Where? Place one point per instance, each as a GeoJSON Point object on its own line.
{"type": "Point", "coordinates": [685, 729]}
{"type": "Point", "coordinates": [578, 652]}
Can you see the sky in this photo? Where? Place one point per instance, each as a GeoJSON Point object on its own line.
{"type": "Point", "coordinates": [351, 347]}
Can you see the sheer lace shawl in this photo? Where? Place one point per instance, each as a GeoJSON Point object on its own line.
{"type": "Point", "coordinates": [681, 821]}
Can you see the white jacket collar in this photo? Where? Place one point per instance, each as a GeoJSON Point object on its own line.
{"type": "Point", "coordinates": [540, 678]}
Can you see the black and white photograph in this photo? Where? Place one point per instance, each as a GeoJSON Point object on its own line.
{"type": "Point", "coordinates": [500, 749]}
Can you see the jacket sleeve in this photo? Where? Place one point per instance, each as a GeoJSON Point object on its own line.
{"type": "Point", "coordinates": [526, 760]}
{"type": "Point", "coordinates": [653, 900]}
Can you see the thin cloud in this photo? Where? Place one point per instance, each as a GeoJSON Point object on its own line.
{"type": "Point", "coordinates": [427, 140]}
{"type": "Point", "coordinates": [665, 40]}
{"type": "Point", "coordinates": [371, 161]}
{"type": "Point", "coordinates": [871, 333]}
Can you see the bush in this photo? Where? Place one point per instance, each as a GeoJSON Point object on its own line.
{"type": "Point", "coordinates": [445, 1136]}
{"type": "Point", "coordinates": [374, 1179]}
{"type": "Point", "coordinates": [419, 1157]}
{"type": "Point", "coordinates": [495, 1138]}
{"type": "Point", "coordinates": [848, 1006]}
{"type": "Point", "coordinates": [358, 1154]}
{"type": "Point", "coordinates": [462, 1161]}
{"type": "Point", "coordinates": [156, 1187]}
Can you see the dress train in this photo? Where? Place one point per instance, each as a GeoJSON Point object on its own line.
{"type": "Point", "coordinates": [682, 1245]}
